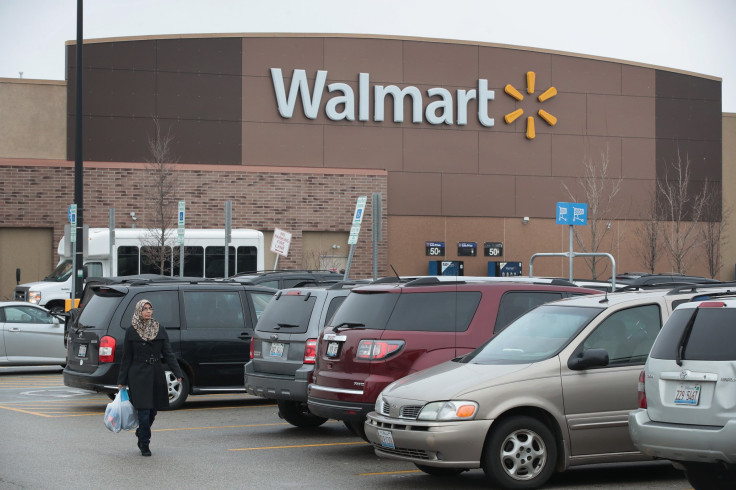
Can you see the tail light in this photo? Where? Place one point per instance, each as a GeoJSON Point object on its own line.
{"type": "Point", "coordinates": [374, 350]}
{"type": "Point", "coordinates": [107, 349]}
{"type": "Point", "coordinates": [642, 392]}
{"type": "Point", "coordinates": [310, 351]}
{"type": "Point", "coordinates": [252, 347]}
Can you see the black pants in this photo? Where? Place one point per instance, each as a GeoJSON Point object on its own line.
{"type": "Point", "coordinates": [146, 416]}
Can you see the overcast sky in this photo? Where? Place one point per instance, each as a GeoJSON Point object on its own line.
{"type": "Point", "coordinates": [693, 35]}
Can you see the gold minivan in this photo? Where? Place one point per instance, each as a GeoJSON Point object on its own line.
{"type": "Point", "coordinates": [550, 391]}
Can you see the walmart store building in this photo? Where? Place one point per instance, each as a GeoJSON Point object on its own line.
{"type": "Point", "coordinates": [463, 140]}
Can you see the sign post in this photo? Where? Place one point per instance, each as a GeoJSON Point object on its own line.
{"type": "Point", "coordinates": [280, 244]}
{"type": "Point", "coordinates": [572, 214]}
{"type": "Point", "coordinates": [228, 225]}
{"type": "Point", "coordinates": [355, 231]}
{"type": "Point", "coordinates": [180, 233]}
{"type": "Point", "coordinates": [72, 215]}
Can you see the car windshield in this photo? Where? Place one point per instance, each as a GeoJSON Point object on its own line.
{"type": "Point", "coordinates": [61, 273]}
{"type": "Point", "coordinates": [535, 336]}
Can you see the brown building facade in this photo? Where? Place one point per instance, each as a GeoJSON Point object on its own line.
{"type": "Point", "coordinates": [463, 140]}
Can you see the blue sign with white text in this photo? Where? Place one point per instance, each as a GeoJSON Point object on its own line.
{"type": "Point", "coordinates": [571, 213]}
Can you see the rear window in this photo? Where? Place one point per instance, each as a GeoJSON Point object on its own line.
{"type": "Point", "coordinates": [287, 314]}
{"type": "Point", "coordinates": [711, 338]}
{"type": "Point", "coordinates": [100, 308]}
{"type": "Point", "coordinates": [165, 308]}
{"type": "Point", "coordinates": [369, 309]}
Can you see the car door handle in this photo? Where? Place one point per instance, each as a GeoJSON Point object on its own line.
{"type": "Point", "coordinates": [14, 329]}
{"type": "Point", "coordinates": [245, 336]}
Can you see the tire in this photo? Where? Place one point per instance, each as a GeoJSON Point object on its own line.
{"type": "Point", "coordinates": [438, 471]}
{"type": "Point", "coordinates": [356, 429]}
{"type": "Point", "coordinates": [55, 308]}
{"type": "Point", "coordinates": [520, 453]}
{"type": "Point", "coordinates": [703, 476]}
{"type": "Point", "coordinates": [178, 392]}
{"type": "Point", "coordinates": [298, 415]}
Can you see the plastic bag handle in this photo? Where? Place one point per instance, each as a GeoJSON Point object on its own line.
{"type": "Point", "coordinates": [124, 394]}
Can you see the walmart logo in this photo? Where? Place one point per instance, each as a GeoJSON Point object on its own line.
{"type": "Point", "coordinates": [546, 95]}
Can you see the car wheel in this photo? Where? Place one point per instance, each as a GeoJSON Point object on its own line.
{"type": "Point", "coordinates": [356, 429]}
{"type": "Point", "coordinates": [520, 453]}
{"type": "Point", "coordinates": [298, 415]}
{"type": "Point", "coordinates": [438, 471]}
{"type": "Point", "coordinates": [178, 391]}
{"type": "Point", "coordinates": [708, 476]}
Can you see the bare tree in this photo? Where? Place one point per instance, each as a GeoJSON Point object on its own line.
{"type": "Point", "coordinates": [599, 191]}
{"type": "Point", "coordinates": [648, 235]}
{"type": "Point", "coordinates": [713, 224]}
{"type": "Point", "coordinates": [682, 210]}
{"type": "Point", "coordinates": [161, 190]}
{"type": "Point", "coordinates": [319, 260]}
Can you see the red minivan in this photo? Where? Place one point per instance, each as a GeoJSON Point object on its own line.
{"type": "Point", "coordinates": [384, 332]}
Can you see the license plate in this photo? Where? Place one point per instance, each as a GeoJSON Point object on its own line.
{"type": "Point", "coordinates": [332, 349]}
{"type": "Point", "coordinates": [386, 438]}
{"type": "Point", "coordinates": [687, 395]}
{"type": "Point", "coordinates": [82, 350]}
{"type": "Point", "coordinates": [277, 350]}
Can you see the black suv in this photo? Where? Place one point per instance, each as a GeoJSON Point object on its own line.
{"type": "Point", "coordinates": [210, 326]}
{"type": "Point", "coordinates": [289, 278]}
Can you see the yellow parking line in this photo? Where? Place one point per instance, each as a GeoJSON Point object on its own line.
{"type": "Point", "coordinates": [24, 411]}
{"type": "Point", "coordinates": [299, 446]}
{"type": "Point", "coordinates": [219, 427]}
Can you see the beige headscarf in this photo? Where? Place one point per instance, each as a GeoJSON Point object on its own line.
{"type": "Point", "coordinates": [147, 329]}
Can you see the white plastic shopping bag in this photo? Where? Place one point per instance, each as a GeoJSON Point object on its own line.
{"type": "Point", "coordinates": [128, 413]}
{"type": "Point", "coordinates": [120, 413]}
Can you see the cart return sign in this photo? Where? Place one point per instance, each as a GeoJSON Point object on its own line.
{"type": "Point", "coordinates": [571, 213]}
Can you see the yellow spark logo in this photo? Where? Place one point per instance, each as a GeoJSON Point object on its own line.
{"type": "Point", "coordinates": [546, 116]}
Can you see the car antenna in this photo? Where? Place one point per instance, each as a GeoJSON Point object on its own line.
{"type": "Point", "coordinates": [605, 299]}
{"type": "Point", "coordinates": [397, 274]}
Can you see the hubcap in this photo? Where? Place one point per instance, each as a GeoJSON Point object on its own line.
{"type": "Point", "coordinates": [174, 386]}
{"type": "Point", "coordinates": [523, 454]}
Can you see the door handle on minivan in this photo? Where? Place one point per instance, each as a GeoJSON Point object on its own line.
{"type": "Point", "coordinates": [245, 336]}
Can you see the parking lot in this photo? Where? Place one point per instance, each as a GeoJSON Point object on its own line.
{"type": "Point", "coordinates": [54, 437]}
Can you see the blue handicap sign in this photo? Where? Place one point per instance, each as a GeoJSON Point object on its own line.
{"type": "Point", "coordinates": [571, 213]}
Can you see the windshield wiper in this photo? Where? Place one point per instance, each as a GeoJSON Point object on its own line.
{"type": "Point", "coordinates": [348, 325]}
{"type": "Point", "coordinates": [287, 325]}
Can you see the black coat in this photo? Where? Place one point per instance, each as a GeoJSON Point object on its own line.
{"type": "Point", "coordinates": [146, 380]}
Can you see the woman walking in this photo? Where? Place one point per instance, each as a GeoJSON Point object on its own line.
{"type": "Point", "coordinates": [141, 370]}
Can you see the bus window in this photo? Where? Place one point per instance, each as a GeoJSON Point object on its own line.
{"type": "Point", "coordinates": [151, 258]}
{"type": "Point", "coordinates": [215, 261]}
{"type": "Point", "coordinates": [193, 261]}
{"type": "Point", "coordinates": [127, 261]}
{"type": "Point", "coordinates": [94, 269]}
{"type": "Point", "coordinates": [247, 259]}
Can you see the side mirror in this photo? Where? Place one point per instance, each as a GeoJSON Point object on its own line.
{"type": "Point", "coordinates": [589, 358]}
{"type": "Point", "coordinates": [85, 272]}
{"type": "Point", "coordinates": [17, 276]}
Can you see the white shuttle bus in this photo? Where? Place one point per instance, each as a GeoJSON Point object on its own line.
{"type": "Point", "coordinates": [131, 254]}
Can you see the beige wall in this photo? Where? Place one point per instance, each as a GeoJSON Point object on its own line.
{"type": "Point", "coordinates": [33, 123]}
{"type": "Point", "coordinates": [31, 249]}
{"type": "Point", "coordinates": [728, 243]}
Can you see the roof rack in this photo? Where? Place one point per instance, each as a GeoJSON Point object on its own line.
{"type": "Point", "coordinates": [695, 287]}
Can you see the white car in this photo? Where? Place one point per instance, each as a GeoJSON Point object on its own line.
{"type": "Point", "coordinates": [687, 394]}
{"type": "Point", "coordinates": [30, 335]}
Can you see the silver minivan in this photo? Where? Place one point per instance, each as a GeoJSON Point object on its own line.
{"type": "Point", "coordinates": [552, 390]}
{"type": "Point", "coordinates": [687, 394]}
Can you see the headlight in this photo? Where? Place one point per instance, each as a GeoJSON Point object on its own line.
{"type": "Point", "coordinates": [449, 410]}
{"type": "Point", "coordinates": [379, 404]}
{"type": "Point", "coordinates": [34, 297]}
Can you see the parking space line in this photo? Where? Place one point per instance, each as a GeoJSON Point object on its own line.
{"type": "Point", "coordinates": [298, 446]}
{"type": "Point", "coordinates": [219, 427]}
